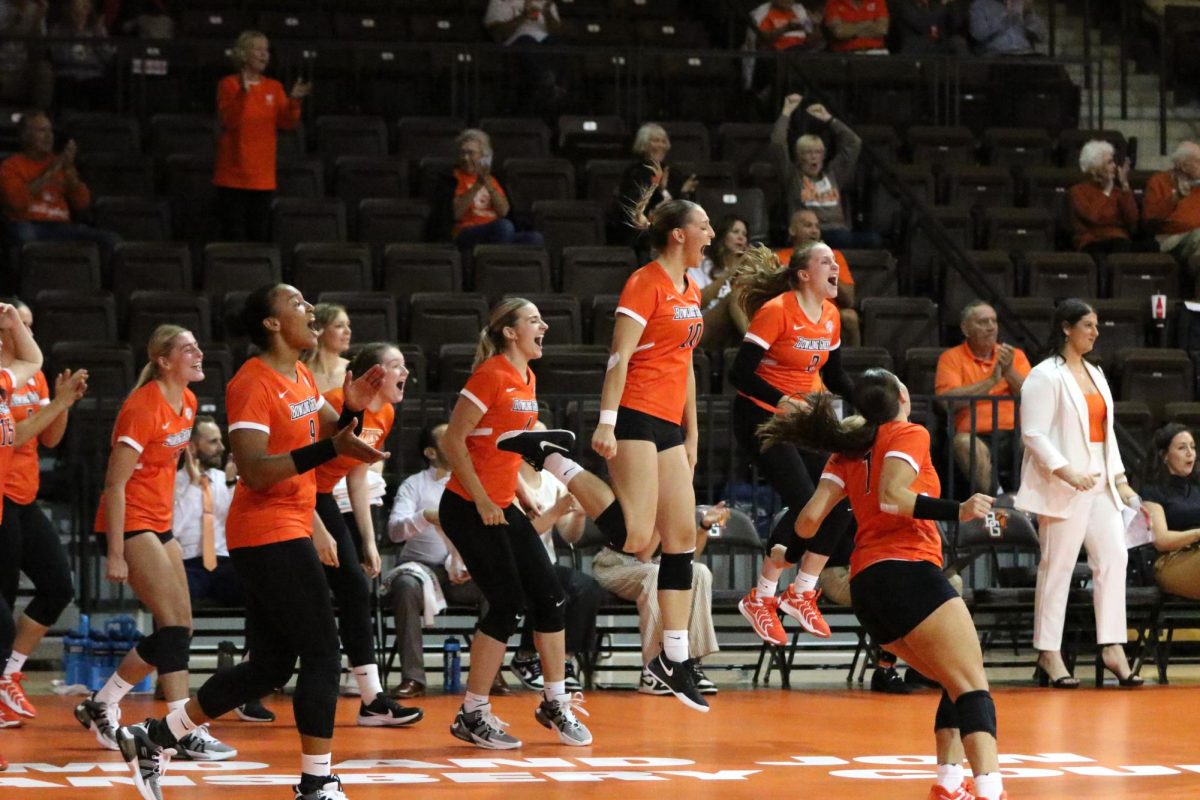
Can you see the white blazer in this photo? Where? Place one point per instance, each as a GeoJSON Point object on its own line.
{"type": "Point", "coordinates": [1054, 430]}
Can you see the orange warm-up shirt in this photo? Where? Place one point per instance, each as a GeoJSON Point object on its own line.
{"type": "Point", "coordinates": [149, 425]}
{"type": "Point", "coordinates": [52, 204]}
{"type": "Point", "coordinates": [260, 399]}
{"type": "Point", "coordinates": [844, 274]}
{"type": "Point", "coordinates": [958, 367]}
{"type": "Point", "coordinates": [797, 347]}
{"type": "Point", "coordinates": [883, 536]}
{"type": "Point", "coordinates": [849, 11]}
{"type": "Point", "coordinates": [376, 426]}
{"type": "Point", "coordinates": [1167, 213]}
{"type": "Point", "coordinates": [656, 381]}
{"type": "Point", "coordinates": [1099, 217]}
{"type": "Point", "coordinates": [508, 401]}
{"type": "Point", "coordinates": [24, 471]}
{"type": "Point", "coordinates": [248, 120]}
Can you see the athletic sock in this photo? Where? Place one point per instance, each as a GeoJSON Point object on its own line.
{"type": "Point", "coordinates": [805, 582]}
{"type": "Point", "coordinates": [553, 689]}
{"type": "Point", "coordinates": [950, 776]}
{"type": "Point", "coordinates": [474, 702]}
{"type": "Point", "coordinates": [766, 588]}
{"type": "Point", "coordinates": [675, 645]}
{"type": "Point", "coordinates": [15, 662]}
{"type": "Point", "coordinates": [314, 767]}
{"type": "Point", "coordinates": [989, 786]}
{"type": "Point", "coordinates": [561, 467]}
{"type": "Point", "coordinates": [367, 677]}
{"type": "Point", "coordinates": [179, 722]}
{"type": "Point", "coordinates": [113, 690]}
{"type": "Point", "coordinates": [174, 704]}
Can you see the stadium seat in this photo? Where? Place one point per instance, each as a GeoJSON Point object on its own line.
{"type": "Point", "coordinates": [1156, 377]}
{"type": "Point", "coordinates": [384, 221]}
{"type": "Point", "coordinates": [689, 140]}
{"type": "Point", "coordinates": [295, 220]}
{"type": "Point", "coordinates": [857, 360]}
{"type": "Point", "coordinates": [149, 309]}
{"type": "Point", "coordinates": [1137, 276]}
{"type": "Point", "coordinates": [1037, 313]}
{"type": "Point", "coordinates": [410, 268]}
{"type": "Point", "coordinates": [749, 204]}
{"type": "Point", "coordinates": [1018, 230]}
{"type": "Point", "coordinates": [422, 137]}
{"type": "Point", "coordinates": [517, 137]}
{"type": "Point", "coordinates": [602, 178]}
{"type": "Point", "coordinates": [212, 23]}
{"type": "Point", "coordinates": [959, 226]}
{"type": "Point", "coordinates": [395, 79]}
{"type": "Point", "coordinates": [62, 316]}
{"type": "Point", "coordinates": [715, 175]}
{"type": "Point", "coordinates": [357, 178]}
{"type": "Point", "coordinates": [530, 179]}
{"type": "Point", "coordinates": [500, 269]}
{"type": "Point", "coordinates": [110, 366]}
{"type": "Point", "coordinates": [874, 273]}
{"type": "Point", "coordinates": [103, 132]}
{"type": "Point", "coordinates": [300, 23]}
{"type": "Point", "coordinates": [135, 219]}
{"type": "Point", "coordinates": [331, 267]}
{"type": "Point", "coordinates": [743, 143]}
{"type": "Point", "coordinates": [218, 370]}
{"type": "Point", "coordinates": [1122, 326]}
{"type": "Point", "coordinates": [372, 315]}
{"type": "Point", "coordinates": [568, 223]}
{"type": "Point", "coordinates": [345, 135]}
{"type": "Point", "coordinates": [445, 27]}
{"type": "Point", "coordinates": [52, 266]}
{"type": "Point", "coordinates": [1023, 147]}
{"type": "Point", "coordinates": [239, 266]}
{"type": "Point", "coordinates": [368, 26]}
{"type": "Point", "coordinates": [1184, 413]}
{"type": "Point", "coordinates": [994, 266]}
{"type": "Point", "coordinates": [1059, 275]}
{"type": "Point", "coordinates": [590, 271]}
{"type": "Point", "coordinates": [942, 145]}
{"type": "Point", "coordinates": [562, 313]}
{"type": "Point", "coordinates": [161, 266]}
{"type": "Point", "coordinates": [581, 137]}
{"type": "Point", "coordinates": [887, 213]}
{"type": "Point", "coordinates": [670, 32]}
{"type": "Point", "coordinates": [183, 134]}
{"type": "Point", "coordinates": [120, 175]}
{"type": "Point", "coordinates": [454, 365]}
{"type": "Point", "coordinates": [192, 195]}
{"type": "Point", "coordinates": [602, 318]}
{"type": "Point", "coordinates": [978, 187]}
{"type": "Point", "coordinates": [571, 369]}
{"type": "Point", "coordinates": [920, 369]}
{"type": "Point", "coordinates": [1070, 142]}
{"type": "Point", "coordinates": [300, 178]}
{"type": "Point", "coordinates": [886, 91]}
{"type": "Point", "coordinates": [898, 323]}
{"type": "Point", "coordinates": [437, 317]}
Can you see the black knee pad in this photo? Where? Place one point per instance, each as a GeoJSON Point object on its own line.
{"type": "Point", "coordinates": [947, 714]}
{"type": "Point", "coordinates": [550, 616]}
{"type": "Point", "coordinates": [501, 622]}
{"type": "Point", "coordinates": [611, 523]}
{"type": "Point", "coordinates": [173, 648]}
{"type": "Point", "coordinates": [976, 713]}
{"type": "Point", "coordinates": [675, 571]}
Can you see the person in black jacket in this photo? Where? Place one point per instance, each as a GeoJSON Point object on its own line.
{"type": "Point", "coordinates": [646, 184]}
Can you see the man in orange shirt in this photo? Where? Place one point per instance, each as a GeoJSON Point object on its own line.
{"type": "Point", "coordinates": [982, 366]}
{"type": "Point", "coordinates": [1171, 207]}
{"type": "Point", "coordinates": [857, 26]}
{"type": "Point", "coordinates": [41, 191]}
{"type": "Point", "coordinates": [805, 227]}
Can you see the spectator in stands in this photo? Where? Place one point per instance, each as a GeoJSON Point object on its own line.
{"type": "Point", "coordinates": [42, 190]}
{"type": "Point", "coordinates": [812, 183]}
{"type": "Point", "coordinates": [634, 577]}
{"type": "Point", "coordinates": [805, 227]}
{"type": "Point", "coordinates": [430, 574]}
{"type": "Point", "coordinates": [724, 321]}
{"type": "Point", "coordinates": [1171, 493]}
{"type": "Point", "coordinates": [203, 491]}
{"type": "Point", "coordinates": [857, 26]}
{"type": "Point", "coordinates": [250, 109]}
{"type": "Point", "coordinates": [981, 365]}
{"type": "Point", "coordinates": [647, 183]}
{"type": "Point", "coordinates": [1006, 28]}
{"type": "Point", "coordinates": [784, 25]}
{"type": "Point", "coordinates": [1171, 206]}
{"type": "Point", "coordinates": [1103, 210]}
{"type": "Point", "coordinates": [81, 70]}
{"type": "Point", "coordinates": [525, 23]}
{"type": "Point", "coordinates": [146, 19]}
{"type": "Point", "coordinates": [327, 360]}
{"type": "Point", "coordinates": [478, 201]}
{"type": "Point", "coordinates": [25, 74]}
{"type": "Point", "coordinates": [927, 27]}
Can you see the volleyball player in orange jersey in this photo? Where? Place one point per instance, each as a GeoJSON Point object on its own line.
{"type": "Point", "coordinates": [280, 430]}
{"type": "Point", "coordinates": [29, 542]}
{"type": "Point", "coordinates": [346, 542]}
{"type": "Point", "coordinates": [133, 526]}
{"type": "Point", "coordinates": [791, 348]}
{"type": "Point", "coordinates": [881, 463]}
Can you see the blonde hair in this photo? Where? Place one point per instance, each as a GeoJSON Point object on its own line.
{"type": "Point", "coordinates": [162, 341]}
{"type": "Point", "coordinates": [641, 140]}
{"type": "Point", "coordinates": [491, 338]}
{"type": "Point", "coordinates": [809, 142]}
{"type": "Point", "coordinates": [760, 277]}
{"type": "Point", "coordinates": [240, 52]}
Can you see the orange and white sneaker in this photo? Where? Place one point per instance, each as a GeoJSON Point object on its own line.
{"type": "Point", "coordinates": [938, 792]}
{"type": "Point", "coordinates": [9, 718]}
{"type": "Point", "coordinates": [802, 607]}
{"type": "Point", "coordinates": [763, 616]}
{"type": "Point", "coordinates": [13, 696]}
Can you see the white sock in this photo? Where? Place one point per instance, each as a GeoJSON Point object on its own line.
{"type": "Point", "coordinates": [553, 689]}
{"type": "Point", "coordinates": [113, 690]}
{"type": "Point", "coordinates": [474, 702]}
{"type": "Point", "coordinates": [675, 645]}
{"type": "Point", "coordinates": [179, 722]}
{"type": "Point", "coordinates": [766, 587]}
{"type": "Point", "coordinates": [805, 582]}
{"type": "Point", "coordinates": [367, 677]}
{"type": "Point", "coordinates": [989, 786]}
{"type": "Point", "coordinates": [318, 766]}
{"type": "Point", "coordinates": [561, 467]}
{"type": "Point", "coordinates": [15, 662]}
{"type": "Point", "coordinates": [172, 705]}
{"type": "Point", "coordinates": [950, 776]}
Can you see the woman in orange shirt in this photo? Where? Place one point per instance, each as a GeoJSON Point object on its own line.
{"type": "Point", "coordinates": [881, 463]}
{"type": "Point", "coordinates": [479, 204]}
{"type": "Point", "coordinates": [250, 109]}
{"type": "Point", "coordinates": [133, 526]}
{"type": "Point", "coordinates": [280, 430]}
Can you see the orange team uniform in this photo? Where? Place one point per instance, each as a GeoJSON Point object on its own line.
{"type": "Point", "coordinates": [883, 536]}
{"type": "Point", "coordinates": [149, 425]}
{"type": "Point", "coordinates": [24, 472]}
{"type": "Point", "coordinates": [481, 211]}
{"type": "Point", "coordinates": [844, 274]}
{"type": "Point", "coordinates": [958, 366]}
{"type": "Point", "coordinates": [249, 119]}
{"type": "Point", "coordinates": [797, 347]}
{"type": "Point", "coordinates": [260, 399]}
{"type": "Point", "coordinates": [656, 382]}
{"type": "Point", "coordinates": [852, 12]}
{"type": "Point", "coordinates": [376, 426]}
{"type": "Point", "coordinates": [54, 204]}
{"type": "Point", "coordinates": [8, 428]}
{"type": "Point", "coordinates": [508, 401]}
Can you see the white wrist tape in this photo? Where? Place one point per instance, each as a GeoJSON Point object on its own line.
{"type": "Point", "coordinates": [608, 417]}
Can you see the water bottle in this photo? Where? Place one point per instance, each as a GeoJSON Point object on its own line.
{"type": "Point", "coordinates": [98, 662]}
{"type": "Point", "coordinates": [451, 666]}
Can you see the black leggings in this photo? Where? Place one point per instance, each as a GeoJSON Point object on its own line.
{"type": "Point", "coordinates": [288, 616]}
{"type": "Point", "coordinates": [244, 215]}
{"type": "Point", "coordinates": [30, 544]}
{"type": "Point", "coordinates": [509, 564]}
{"type": "Point", "coordinates": [349, 583]}
{"type": "Point", "coordinates": [789, 471]}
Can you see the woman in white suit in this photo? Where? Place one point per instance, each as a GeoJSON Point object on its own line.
{"type": "Point", "coordinates": [1073, 479]}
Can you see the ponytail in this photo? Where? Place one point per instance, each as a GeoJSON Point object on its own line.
{"type": "Point", "coordinates": [159, 346]}
{"type": "Point", "coordinates": [876, 395]}
{"type": "Point", "coordinates": [760, 277]}
{"type": "Point", "coordinates": [491, 338]}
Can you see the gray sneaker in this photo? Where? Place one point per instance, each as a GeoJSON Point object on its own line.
{"type": "Point", "coordinates": [483, 729]}
{"type": "Point", "coordinates": [200, 745]}
{"type": "Point", "coordinates": [330, 788]}
{"type": "Point", "coordinates": [559, 715]}
{"type": "Point", "coordinates": [146, 758]}
{"type": "Point", "coordinates": [102, 719]}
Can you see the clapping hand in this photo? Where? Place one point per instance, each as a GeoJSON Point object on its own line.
{"type": "Point", "coordinates": [70, 386]}
{"type": "Point", "coordinates": [301, 89]}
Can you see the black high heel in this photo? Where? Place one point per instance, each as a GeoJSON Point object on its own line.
{"type": "Point", "coordinates": [1042, 677]}
{"type": "Point", "coordinates": [1129, 682]}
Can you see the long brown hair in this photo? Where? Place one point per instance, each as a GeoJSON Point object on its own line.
{"type": "Point", "coordinates": [491, 338]}
{"type": "Point", "coordinates": [760, 277]}
{"type": "Point", "coordinates": [160, 345]}
{"type": "Point", "coordinates": [876, 396]}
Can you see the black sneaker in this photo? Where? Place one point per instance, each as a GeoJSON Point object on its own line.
{"type": "Point", "coordinates": [916, 680]}
{"type": "Point", "coordinates": [102, 719]}
{"type": "Point", "coordinates": [327, 788]}
{"type": "Point", "coordinates": [384, 712]}
{"type": "Point", "coordinates": [254, 711]}
{"type": "Point", "coordinates": [703, 684]}
{"type": "Point", "coordinates": [534, 446]}
{"type": "Point", "coordinates": [528, 670]}
{"type": "Point", "coordinates": [144, 750]}
{"type": "Point", "coordinates": [570, 679]}
{"type": "Point", "coordinates": [677, 676]}
{"type": "Point", "coordinates": [652, 685]}
{"type": "Point", "coordinates": [888, 681]}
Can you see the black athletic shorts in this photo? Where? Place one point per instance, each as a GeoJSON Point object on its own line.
{"type": "Point", "coordinates": [644, 427]}
{"type": "Point", "coordinates": [102, 537]}
{"type": "Point", "coordinates": [891, 598]}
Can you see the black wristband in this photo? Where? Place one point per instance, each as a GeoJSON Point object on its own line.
{"type": "Point", "coordinates": [348, 417]}
{"type": "Point", "coordinates": [313, 455]}
{"type": "Point", "coordinates": [935, 508]}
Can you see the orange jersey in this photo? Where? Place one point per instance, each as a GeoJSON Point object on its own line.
{"type": "Point", "coordinates": [656, 382]}
{"type": "Point", "coordinates": [249, 119]}
{"type": "Point", "coordinates": [149, 425]}
{"type": "Point", "coordinates": [844, 274]}
{"type": "Point", "coordinates": [24, 472]}
{"type": "Point", "coordinates": [8, 428]}
{"type": "Point", "coordinates": [797, 347]}
{"type": "Point", "coordinates": [508, 401]}
{"type": "Point", "coordinates": [260, 399]}
{"type": "Point", "coordinates": [481, 211]}
{"type": "Point", "coordinates": [376, 426]}
{"type": "Point", "coordinates": [883, 536]}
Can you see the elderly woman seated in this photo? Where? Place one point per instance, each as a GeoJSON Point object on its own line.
{"type": "Point", "coordinates": [1104, 214]}
{"type": "Point", "coordinates": [1171, 493]}
{"type": "Point", "coordinates": [478, 202]}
